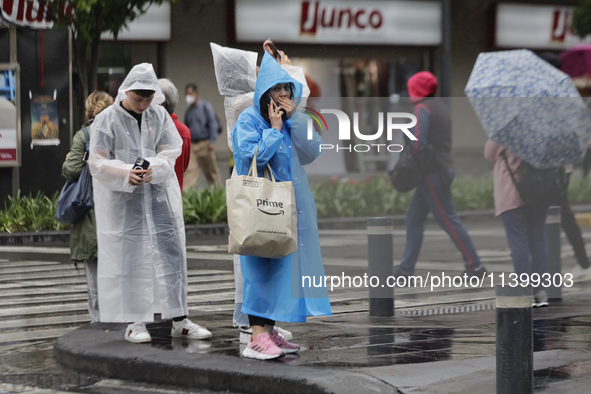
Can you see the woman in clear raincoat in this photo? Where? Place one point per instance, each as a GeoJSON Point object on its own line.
{"type": "Point", "coordinates": [142, 266]}
{"type": "Point", "coordinates": [273, 289]}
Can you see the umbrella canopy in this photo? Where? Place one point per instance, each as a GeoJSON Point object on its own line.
{"type": "Point", "coordinates": [576, 62]}
{"type": "Point", "coordinates": [530, 108]}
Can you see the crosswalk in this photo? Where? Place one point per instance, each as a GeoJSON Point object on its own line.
{"type": "Point", "coordinates": [42, 300]}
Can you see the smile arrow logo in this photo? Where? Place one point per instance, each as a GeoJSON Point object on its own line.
{"type": "Point", "coordinates": [272, 214]}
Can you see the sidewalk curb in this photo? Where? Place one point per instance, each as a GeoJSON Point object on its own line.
{"type": "Point", "coordinates": [107, 354]}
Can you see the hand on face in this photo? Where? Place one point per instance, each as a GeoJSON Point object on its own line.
{"type": "Point", "coordinates": [289, 106]}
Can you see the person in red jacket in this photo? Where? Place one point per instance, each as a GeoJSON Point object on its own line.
{"type": "Point", "coordinates": [172, 98]}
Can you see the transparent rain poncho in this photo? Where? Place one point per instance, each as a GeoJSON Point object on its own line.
{"type": "Point", "coordinates": [140, 229]}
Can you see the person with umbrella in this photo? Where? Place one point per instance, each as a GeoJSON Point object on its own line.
{"type": "Point", "coordinates": [568, 221]}
{"type": "Point", "coordinates": [524, 225]}
{"type": "Point", "coordinates": [534, 119]}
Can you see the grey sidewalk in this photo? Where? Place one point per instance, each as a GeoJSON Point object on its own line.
{"type": "Point", "coordinates": [348, 353]}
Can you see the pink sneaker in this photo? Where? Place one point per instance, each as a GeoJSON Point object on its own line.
{"type": "Point", "coordinates": [262, 348]}
{"type": "Point", "coordinates": [282, 344]}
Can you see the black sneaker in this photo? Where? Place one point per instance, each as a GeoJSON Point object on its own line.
{"type": "Point", "coordinates": [480, 271]}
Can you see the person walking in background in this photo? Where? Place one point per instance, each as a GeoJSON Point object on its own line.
{"type": "Point", "coordinates": [568, 221]}
{"type": "Point", "coordinates": [433, 194]}
{"type": "Point", "coordinates": [83, 233]}
{"type": "Point", "coordinates": [171, 99]}
{"type": "Point", "coordinates": [277, 132]}
{"type": "Point", "coordinates": [142, 266]}
{"type": "Point", "coordinates": [525, 225]}
{"type": "Point", "coordinates": [201, 120]}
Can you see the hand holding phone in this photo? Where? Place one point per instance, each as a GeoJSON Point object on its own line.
{"type": "Point", "coordinates": [272, 49]}
{"type": "Point", "coordinates": [141, 164]}
{"type": "Point", "coordinates": [139, 169]}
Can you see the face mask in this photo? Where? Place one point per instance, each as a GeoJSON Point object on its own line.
{"type": "Point", "coordinates": [190, 99]}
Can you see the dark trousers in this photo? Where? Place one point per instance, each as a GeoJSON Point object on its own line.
{"type": "Point", "coordinates": [571, 229]}
{"type": "Point", "coordinates": [526, 235]}
{"type": "Point", "coordinates": [434, 195]}
{"type": "Point", "coordinates": [260, 321]}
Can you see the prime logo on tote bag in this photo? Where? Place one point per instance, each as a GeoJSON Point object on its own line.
{"type": "Point", "coordinates": [261, 215]}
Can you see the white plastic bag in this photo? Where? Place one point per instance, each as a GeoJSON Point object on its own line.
{"type": "Point", "coordinates": [235, 70]}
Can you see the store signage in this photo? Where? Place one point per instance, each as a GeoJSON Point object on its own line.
{"type": "Point", "coordinates": [339, 22]}
{"type": "Point", "coordinates": [31, 13]}
{"type": "Point", "coordinates": [535, 27]}
{"type": "Point", "coordinates": [154, 25]}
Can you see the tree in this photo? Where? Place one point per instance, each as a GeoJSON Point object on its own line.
{"type": "Point", "coordinates": [581, 24]}
{"type": "Point", "coordinates": [89, 19]}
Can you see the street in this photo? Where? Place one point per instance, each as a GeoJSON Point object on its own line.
{"type": "Point", "coordinates": [42, 300]}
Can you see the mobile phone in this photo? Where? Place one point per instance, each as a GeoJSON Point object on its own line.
{"type": "Point", "coordinates": [141, 164]}
{"type": "Point", "coordinates": [271, 98]}
{"type": "Point", "coordinates": [274, 50]}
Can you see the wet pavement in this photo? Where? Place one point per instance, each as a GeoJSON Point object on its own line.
{"type": "Point", "coordinates": [41, 300]}
{"type": "Point", "coordinates": [356, 340]}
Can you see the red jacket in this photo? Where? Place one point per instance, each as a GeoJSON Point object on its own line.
{"type": "Point", "coordinates": [182, 162]}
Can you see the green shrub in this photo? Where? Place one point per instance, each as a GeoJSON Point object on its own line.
{"type": "Point", "coordinates": [339, 197]}
{"type": "Point", "coordinates": [579, 191]}
{"type": "Point", "coordinates": [28, 213]}
{"type": "Point", "coordinates": [204, 206]}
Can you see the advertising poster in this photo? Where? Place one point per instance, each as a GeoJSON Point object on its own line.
{"type": "Point", "coordinates": [44, 121]}
{"type": "Point", "coordinates": [8, 132]}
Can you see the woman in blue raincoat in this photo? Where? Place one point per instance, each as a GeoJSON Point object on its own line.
{"type": "Point", "coordinates": [273, 288]}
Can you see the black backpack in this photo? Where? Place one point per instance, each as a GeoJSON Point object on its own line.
{"type": "Point", "coordinates": [538, 188]}
{"type": "Point", "coordinates": [411, 170]}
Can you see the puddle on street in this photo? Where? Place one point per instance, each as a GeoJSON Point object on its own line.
{"type": "Point", "coordinates": [356, 345]}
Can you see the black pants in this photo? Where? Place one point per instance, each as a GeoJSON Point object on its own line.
{"type": "Point", "coordinates": [260, 321]}
{"type": "Point", "coordinates": [571, 229]}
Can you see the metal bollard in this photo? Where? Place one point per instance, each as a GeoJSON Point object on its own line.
{"type": "Point", "coordinates": [515, 346]}
{"type": "Point", "coordinates": [554, 262]}
{"type": "Point", "coordinates": [380, 265]}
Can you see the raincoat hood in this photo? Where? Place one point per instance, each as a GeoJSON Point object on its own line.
{"type": "Point", "coordinates": [421, 85]}
{"type": "Point", "coordinates": [141, 77]}
{"type": "Point", "coordinates": [270, 74]}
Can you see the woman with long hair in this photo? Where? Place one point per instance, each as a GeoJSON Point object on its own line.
{"type": "Point", "coordinates": [83, 233]}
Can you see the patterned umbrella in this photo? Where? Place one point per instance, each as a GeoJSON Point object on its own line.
{"type": "Point", "coordinates": [530, 108]}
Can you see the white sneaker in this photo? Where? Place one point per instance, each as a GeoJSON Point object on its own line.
{"type": "Point", "coordinates": [246, 334]}
{"type": "Point", "coordinates": [189, 330]}
{"type": "Point", "coordinates": [284, 333]}
{"type": "Point", "coordinates": [540, 299]}
{"type": "Point", "coordinates": [137, 333]}
{"type": "Point", "coordinates": [581, 274]}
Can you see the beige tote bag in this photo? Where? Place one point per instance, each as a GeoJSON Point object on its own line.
{"type": "Point", "coordinates": [261, 215]}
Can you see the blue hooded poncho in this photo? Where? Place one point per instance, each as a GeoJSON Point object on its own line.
{"type": "Point", "coordinates": [273, 288]}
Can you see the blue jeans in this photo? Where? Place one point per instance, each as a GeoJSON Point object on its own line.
{"type": "Point", "coordinates": [526, 236]}
{"type": "Point", "coordinates": [434, 195]}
